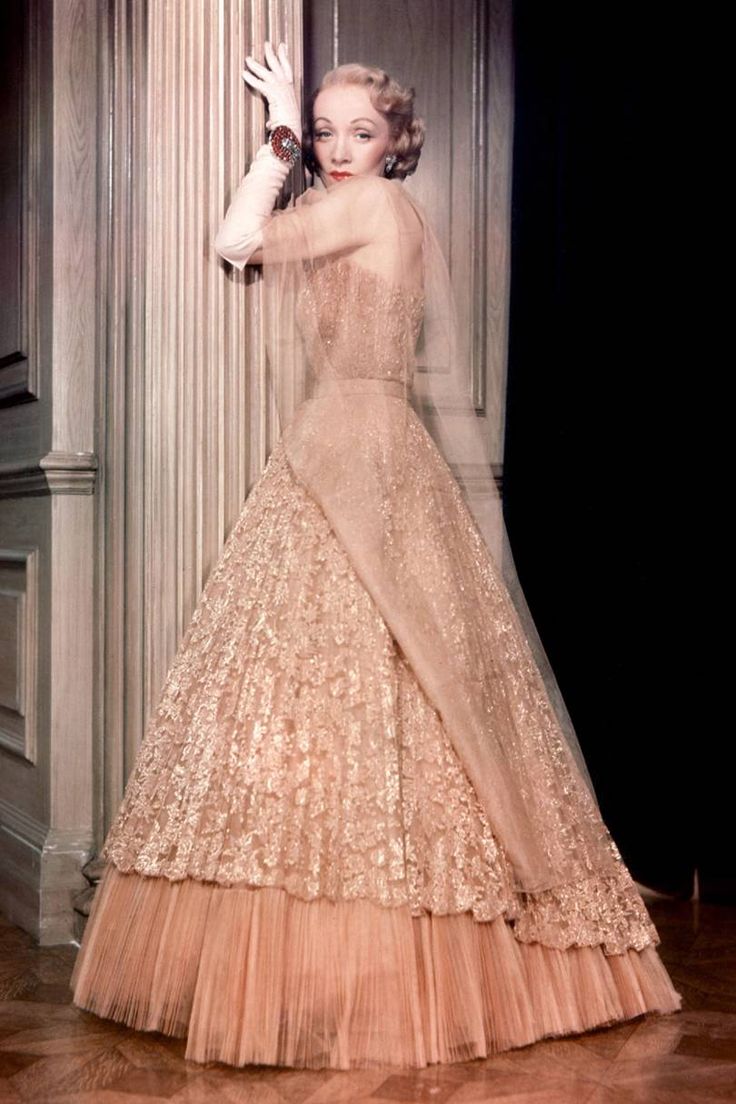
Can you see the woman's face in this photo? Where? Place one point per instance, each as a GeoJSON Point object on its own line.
{"type": "Point", "coordinates": [351, 138]}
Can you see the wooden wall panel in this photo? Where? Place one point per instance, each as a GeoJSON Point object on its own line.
{"type": "Point", "coordinates": [186, 420]}
{"type": "Point", "coordinates": [132, 352]}
{"type": "Point", "coordinates": [49, 283]}
{"type": "Point", "coordinates": [19, 107]}
{"type": "Point", "coordinates": [136, 418]}
{"type": "Point", "coordinates": [19, 651]}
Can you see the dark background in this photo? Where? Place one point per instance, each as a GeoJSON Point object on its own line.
{"type": "Point", "coordinates": [596, 475]}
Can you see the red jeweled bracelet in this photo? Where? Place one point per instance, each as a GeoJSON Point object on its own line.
{"type": "Point", "coordinates": [285, 144]}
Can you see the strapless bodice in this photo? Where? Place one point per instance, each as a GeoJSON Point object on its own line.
{"type": "Point", "coordinates": [358, 325]}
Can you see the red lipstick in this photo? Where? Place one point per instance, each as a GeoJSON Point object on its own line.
{"type": "Point", "coordinates": [340, 175]}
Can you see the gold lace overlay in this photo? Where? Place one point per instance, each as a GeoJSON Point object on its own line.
{"type": "Point", "coordinates": [374, 339]}
{"type": "Point", "coordinates": [293, 746]}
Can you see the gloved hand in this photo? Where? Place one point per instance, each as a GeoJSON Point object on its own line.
{"type": "Point", "coordinates": [277, 85]}
{"type": "Point", "coordinates": [251, 207]}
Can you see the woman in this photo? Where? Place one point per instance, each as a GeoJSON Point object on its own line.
{"type": "Point", "coordinates": [359, 830]}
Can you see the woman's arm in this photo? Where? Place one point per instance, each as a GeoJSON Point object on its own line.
{"type": "Point", "coordinates": [241, 233]}
{"type": "Point", "coordinates": [239, 236]}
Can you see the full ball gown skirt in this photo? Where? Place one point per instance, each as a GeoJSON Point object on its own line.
{"type": "Point", "coordinates": [300, 873]}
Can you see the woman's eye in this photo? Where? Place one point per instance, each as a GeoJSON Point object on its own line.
{"type": "Point", "coordinates": [328, 134]}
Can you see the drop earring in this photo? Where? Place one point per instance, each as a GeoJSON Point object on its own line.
{"type": "Point", "coordinates": [390, 162]}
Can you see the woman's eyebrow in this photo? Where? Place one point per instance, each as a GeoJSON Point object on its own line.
{"type": "Point", "coordinates": [362, 119]}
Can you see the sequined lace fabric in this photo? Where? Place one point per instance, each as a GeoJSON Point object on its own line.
{"type": "Point", "coordinates": [292, 746]}
{"type": "Point", "coordinates": [375, 339]}
{"type": "Point", "coordinates": [298, 741]}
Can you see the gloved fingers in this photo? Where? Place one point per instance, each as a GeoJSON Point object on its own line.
{"type": "Point", "coordinates": [257, 68]}
{"type": "Point", "coordinates": [285, 63]}
{"type": "Point", "coordinates": [259, 85]}
{"type": "Point", "coordinates": [276, 84]}
{"type": "Point", "coordinates": [273, 75]}
{"type": "Point", "coordinates": [274, 62]}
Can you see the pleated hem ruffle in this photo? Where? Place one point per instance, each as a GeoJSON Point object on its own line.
{"type": "Point", "coordinates": [255, 975]}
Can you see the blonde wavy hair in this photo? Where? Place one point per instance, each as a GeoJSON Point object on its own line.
{"type": "Point", "coordinates": [391, 99]}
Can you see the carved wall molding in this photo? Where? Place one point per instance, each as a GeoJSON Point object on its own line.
{"type": "Point", "coordinates": [187, 427]}
{"type": "Point", "coordinates": [50, 296]}
{"type": "Point", "coordinates": [19, 640]}
{"type": "Point", "coordinates": [142, 355]}
{"type": "Point", "coordinates": [54, 473]}
{"type": "Point", "coordinates": [23, 211]}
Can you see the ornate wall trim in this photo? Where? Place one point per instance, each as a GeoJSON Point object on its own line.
{"type": "Point", "coordinates": [186, 424]}
{"type": "Point", "coordinates": [54, 473]}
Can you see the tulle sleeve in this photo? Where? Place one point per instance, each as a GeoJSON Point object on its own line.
{"type": "Point", "coordinates": [356, 212]}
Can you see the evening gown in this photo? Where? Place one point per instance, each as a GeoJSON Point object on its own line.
{"type": "Point", "coordinates": [301, 872]}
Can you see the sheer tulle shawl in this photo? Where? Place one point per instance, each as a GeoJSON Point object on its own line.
{"type": "Point", "coordinates": [371, 389]}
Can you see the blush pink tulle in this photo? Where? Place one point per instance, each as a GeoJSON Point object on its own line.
{"type": "Point", "coordinates": [258, 976]}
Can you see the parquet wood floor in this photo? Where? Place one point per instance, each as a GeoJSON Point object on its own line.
{"type": "Point", "coordinates": [54, 1053]}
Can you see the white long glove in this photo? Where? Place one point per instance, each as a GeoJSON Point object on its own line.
{"type": "Point", "coordinates": [241, 232]}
